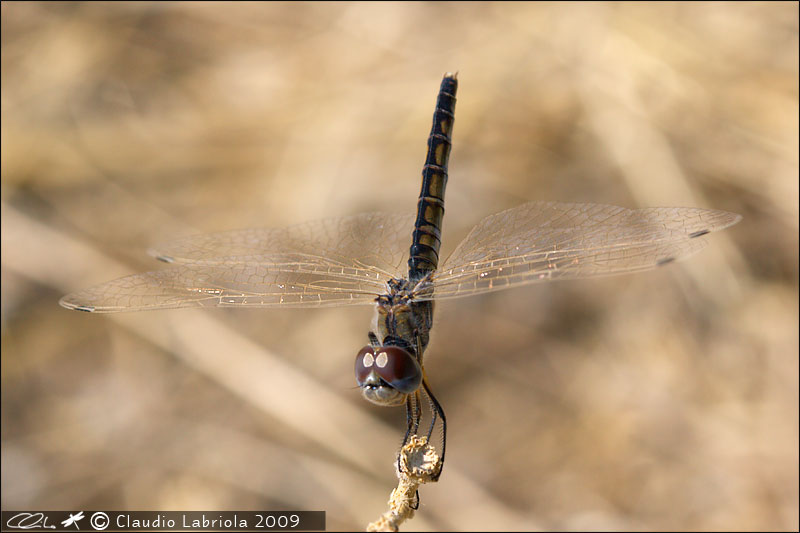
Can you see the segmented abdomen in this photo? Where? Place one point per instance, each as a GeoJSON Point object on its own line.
{"type": "Point", "coordinates": [424, 255]}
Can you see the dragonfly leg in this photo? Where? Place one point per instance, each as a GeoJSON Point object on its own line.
{"type": "Point", "coordinates": [436, 410]}
{"type": "Point", "coordinates": [373, 340]}
{"type": "Point", "coordinates": [415, 505]}
{"type": "Point", "coordinates": [417, 412]}
{"type": "Point", "coordinates": [413, 415]}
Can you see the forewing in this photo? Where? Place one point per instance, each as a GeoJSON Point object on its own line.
{"type": "Point", "coordinates": [378, 241]}
{"type": "Point", "coordinates": [329, 262]}
{"type": "Point", "coordinates": [240, 282]}
{"type": "Point", "coordinates": [542, 241]}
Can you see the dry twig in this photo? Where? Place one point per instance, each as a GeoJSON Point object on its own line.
{"type": "Point", "coordinates": [419, 463]}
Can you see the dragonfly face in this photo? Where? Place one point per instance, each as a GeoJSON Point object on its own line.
{"type": "Point", "coordinates": [387, 374]}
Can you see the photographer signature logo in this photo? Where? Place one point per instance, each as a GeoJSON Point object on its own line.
{"type": "Point", "coordinates": [28, 521]}
{"type": "Point", "coordinates": [39, 521]}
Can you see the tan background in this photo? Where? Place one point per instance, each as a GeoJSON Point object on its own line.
{"type": "Point", "coordinates": [656, 401]}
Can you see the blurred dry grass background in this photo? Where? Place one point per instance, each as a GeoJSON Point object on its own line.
{"type": "Point", "coordinates": [656, 401]}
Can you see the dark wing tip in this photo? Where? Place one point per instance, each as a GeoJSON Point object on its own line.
{"type": "Point", "coordinates": [699, 233]}
{"type": "Point", "coordinates": [159, 256]}
{"type": "Point", "coordinates": [67, 302]}
{"type": "Point", "coordinates": [665, 261]}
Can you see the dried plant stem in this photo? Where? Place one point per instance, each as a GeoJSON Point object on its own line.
{"type": "Point", "coordinates": [419, 463]}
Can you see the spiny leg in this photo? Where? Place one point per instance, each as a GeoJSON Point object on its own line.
{"type": "Point", "coordinates": [417, 411]}
{"type": "Point", "coordinates": [433, 403]}
{"type": "Point", "coordinates": [413, 415]}
{"type": "Point", "coordinates": [417, 396]}
{"type": "Point", "coordinates": [436, 409]}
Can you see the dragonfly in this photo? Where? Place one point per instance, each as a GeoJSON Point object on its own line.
{"type": "Point", "coordinates": [73, 520]}
{"type": "Point", "coordinates": [365, 259]}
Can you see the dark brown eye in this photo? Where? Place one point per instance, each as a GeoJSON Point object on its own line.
{"type": "Point", "coordinates": [365, 363]}
{"type": "Point", "coordinates": [397, 367]}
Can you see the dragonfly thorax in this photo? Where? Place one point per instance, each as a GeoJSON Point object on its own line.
{"type": "Point", "coordinates": [400, 292]}
{"type": "Point", "coordinates": [401, 318]}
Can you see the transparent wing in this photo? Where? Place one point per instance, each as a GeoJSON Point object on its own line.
{"type": "Point", "coordinates": [542, 241]}
{"type": "Point", "coordinates": [343, 261]}
{"type": "Point", "coordinates": [240, 282]}
{"type": "Point", "coordinates": [378, 241]}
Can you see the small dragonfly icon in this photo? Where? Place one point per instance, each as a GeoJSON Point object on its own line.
{"type": "Point", "coordinates": [73, 520]}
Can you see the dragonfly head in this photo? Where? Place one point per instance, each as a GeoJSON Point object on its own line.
{"type": "Point", "coordinates": [387, 374]}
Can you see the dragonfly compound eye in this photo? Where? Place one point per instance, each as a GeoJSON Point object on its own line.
{"type": "Point", "coordinates": [387, 374]}
{"type": "Point", "coordinates": [365, 364]}
{"type": "Point", "coordinates": [398, 368]}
